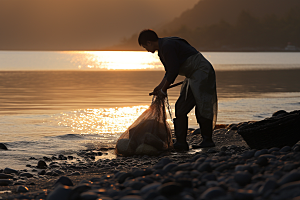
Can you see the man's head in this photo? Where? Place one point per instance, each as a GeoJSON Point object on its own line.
{"type": "Point", "coordinates": [149, 40]}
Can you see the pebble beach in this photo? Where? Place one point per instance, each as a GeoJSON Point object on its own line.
{"type": "Point", "coordinates": [229, 171]}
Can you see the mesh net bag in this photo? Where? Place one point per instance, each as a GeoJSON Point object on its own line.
{"type": "Point", "coordinates": [150, 134]}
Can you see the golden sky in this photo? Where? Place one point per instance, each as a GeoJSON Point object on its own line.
{"type": "Point", "coordinates": [91, 24]}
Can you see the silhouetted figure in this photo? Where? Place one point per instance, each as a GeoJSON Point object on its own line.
{"type": "Point", "coordinates": [198, 89]}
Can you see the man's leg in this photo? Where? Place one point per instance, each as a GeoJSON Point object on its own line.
{"type": "Point", "coordinates": [206, 131]}
{"type": "Point", "coordinates": [183, 106]}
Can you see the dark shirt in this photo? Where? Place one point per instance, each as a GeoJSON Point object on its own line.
{"type": "Point", "coordinates": [173, 52]}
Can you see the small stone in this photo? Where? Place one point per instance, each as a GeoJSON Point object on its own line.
{"type": "Point", "coordinates": [290, 177]}
{"type": "Point", "coordinates": [123, 176]}
{"type": "Point", "coordinates": [171, 188]}
{"type": "Point", "coordinates": [211, 151]}
{"type": "Point", "coordinates": [170, 166]}
{"type": "Point", "coordinates": [262, 161]}
{"type": "Point", "coordinates": [273, 149]}
{"type": "Point", "coordinates": [60, 193]}
{"type": "Point", "coordinates": [5, 176]}
{"type": "Point", "coordinates": [286, 149]}
{"type": "Point", "coordinates": [162, 162]}
{"type": "Point", "coordinates": [261, 152]}
{"type": "Point", "coordinates": [41, 164]}
{"type": "Point", "coordinates": [26, 174]}
{"type": "Point", "coordinates": [70, 157]}
{"type": "Point", "coordinates": [131, 197]}
{"type": "Point", "coordinates": [212, 193]}
{"type": "Point", "coordinates": [10, 171]}
{"type": "Point", "coordinates": [5, 182]}
{"type": "Point", "coordinates": [269, 185]}
{"type": "Point", "coordinates": [244, 194]}
{"type": "Point", "coordinates": [75, 173]}
{"type": "Point", "coordinates": [243, 168]}
{"type": "Point", "coordinates": [42, 172]}
{"type": "Point", "coordinates": [149, 187]}
{"type": "Point", "coordinates": [204, 167]}
{"type": "Point", "coordinates": [89, 195]}
{"type": "Point", "coordinates": [3, 147]}
{"type": "Point", "coordinates": [22, 189]}
{"type": "Point", "coordinates": [64, 181]}
{"type": "Point", "coordinates": [248, 154]}
{"type": "Point", "coordinates": [242, 178]}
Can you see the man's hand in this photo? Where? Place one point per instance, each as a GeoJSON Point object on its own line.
{"type": "Point", "coordinates": [161, 94]}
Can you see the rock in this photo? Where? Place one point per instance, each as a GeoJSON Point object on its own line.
{"type": "Point", "coordinates": [269, 185]}
{"type": "Point", "coordinates": [290, 177]}
{"type": "Point", "coordinates": [41, 164]}
{"type": "Point", "coordinates": [204, 167]}
{"type": "Point", "coordinates": [162, 162]}
{"type": "Point", "coordinates": [212, 193]}
{"type": "Point", "coordinates": [89, 195]}
{"type": "Point", "coordinates": [60, 193]}
{"type": "Point", "coordinates": [149, 187]}
{"type": "Point", "coordinates": [279, 113]}
{"type": "Point", "coordinates": [273, 149]}
{"type": "Point", "coordinates": [131, 197]}
{"type": "Point", "coordinates": [248, 154]}
{"type": "Point", "coordinates": [26, 174]}
{"type": "Point", "coordinates": [10, 171]}
{"type": "Point", "coordinates": [243, 168]}
{"type": "Point", "coordinates": [3, 147]}
{"type": "Point", "coordinates": [244, 194]}
{"type": "Point", "coordinates": [262, 161]}
{"type": "Point", "coordinates": [261, 152]}
{"type": "Point", "coordinates": [78, 190]}
{"type": "Point", "coordinates": [64, 181]}
{"type": "Point", "coordinates": [5, 182]}
{"type": "Point", "coordinates": [242, 178]}
{"type": "Point", "coordinates": [5, 176]}
{"type": "Point", "coordinates": [123, 176]}
{"type": "Point", "coordinates": [169, 189]}
{"type": "Point", "coordinates": [75, 173]}
{"type": "Point", "coordinates": [22, 189]}
{"type": "Point", "coordinates": [285, 149]}
{"type": "Point", "coordinates": [42, 172]}
{"type": "Point", "coordinates": [170, 166]}
{"type": "Point", "coordinates": [196, 132]}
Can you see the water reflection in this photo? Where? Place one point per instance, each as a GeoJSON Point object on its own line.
{"type": "Point", "coordinates": [117, 60]}
{"type": "Point", "coordinates": [102, 120]}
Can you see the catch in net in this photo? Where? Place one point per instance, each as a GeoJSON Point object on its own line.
{"type": "Point", "coordinates": [150, 134]}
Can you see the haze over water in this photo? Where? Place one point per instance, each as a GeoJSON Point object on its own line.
{"type": "Point", "coordinates": [61, 102]}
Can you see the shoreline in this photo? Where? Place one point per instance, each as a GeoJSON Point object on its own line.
{"type": "Point", "coordinates": [231, 170]}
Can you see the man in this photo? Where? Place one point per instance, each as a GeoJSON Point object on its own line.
{"type": "Point", "coordinates": [198, 89]}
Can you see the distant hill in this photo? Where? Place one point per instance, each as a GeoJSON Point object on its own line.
{"type": "Point", "coordinates": [234, 25]}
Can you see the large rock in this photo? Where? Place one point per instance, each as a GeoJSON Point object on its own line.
{"type": "Point", "coordinates": [123, 147]}
{"type": "Point", "coordinates": [41, 164]}
{"type": "Point", "coordinates": [3, 147]}
{"type": "Point", "coordinates": [10, 171]}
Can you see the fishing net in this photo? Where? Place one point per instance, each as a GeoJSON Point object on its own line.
{"type": "Point", "coordinates": [150, 134]}
{"type": "Point", "coordinates": [282, 129]}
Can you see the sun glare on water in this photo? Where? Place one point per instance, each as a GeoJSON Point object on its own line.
{"type": "Point", "coordinates": [102, 120]}
{"type": "Point", "coordinates": [116, 60]}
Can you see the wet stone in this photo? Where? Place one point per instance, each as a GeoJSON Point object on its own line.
{"type": "Point", "coordinates": [248, 154]}
{"type": "Point", "coordinates": [131, 197]}
{"type": "Point", "coordinates": [285, 149]}
{"type": "Point", "coordinates": [242, 178]}
{"type": "Point", "coordinates": [88, 196]}
{"type": "Point", "coordinates": [244, 194]}
{"type": "Point", "coordinates": [5, 176]}
{"type": "Point", "coordinates": [10, 171]}
{"type": "Point", "coordinates": [5, 182]}
{"type": "Point", "coordinates": [262, 161]}
{"type": "Point", "coordinates": [3, 146]}
{"type": "Point", "coordinates": [261, 152]}
{"type": "Point", "coordinates": [212, 193]}
{"type": "Point", "coordinates": [42, 165]}
{"type": "Point", "coordinates": [75, 173]}
{"type": "Point", "coordinates": [169, 189]}
{"type": "Point", "coordinates": [60, 193]}
{"type": "Point", "coordinates": [205, 167]}
{"type": "Point", "coordinates": [290, 177]}
{"type": "Point", "coordinates": [26, 174]}
{"type": "Point", "coordinates": [22, 189]}
{"type": "Point", "coordinates": [64, 181]}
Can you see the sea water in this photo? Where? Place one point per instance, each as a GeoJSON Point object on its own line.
{"type": "Point", "coordinates": [55, 103]}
